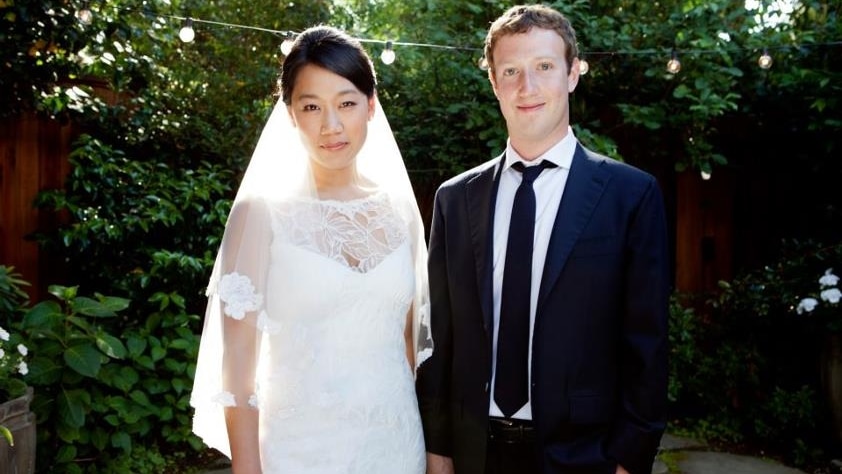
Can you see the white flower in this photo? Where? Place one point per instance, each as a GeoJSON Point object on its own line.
{"type": "Point", "coordinates": [22, 349]}
{"type": "Point", "coordinates": [225, 399]}
{"type": "Point", "coordinates": [23, 369]}
{"type": "Point", "coordinates": [4, 335]}
{"type": "Point", "coordinates": [2, 353]}
{"type": "Point", "coordinates": [237, 292]}
{"type": "Point", "coordinates": [832, 295]}
{"type": "Point", "coordinates": [807, 305]}
{"type": "Point", "coordinates": [828, 279]}
{"type": "Point", "coordinates": [253, 402]}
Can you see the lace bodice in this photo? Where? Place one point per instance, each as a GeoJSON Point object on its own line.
{"type": "Point", "coordinates": [358, 233]}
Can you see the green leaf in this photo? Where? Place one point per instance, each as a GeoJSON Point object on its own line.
{"type": "Point", "coordinates": [181, 344]}
{"type": "Point", "coordinates": [158, 353]}
{"type": "Point", "coordinates": [7, 434]}
{"type": "Point", "coordinates": [126, 378]}
{"type": "Point", "coordinates": [81, 323]}
{"type": "Point", "coordinates": [84, 359]}
{"type": "Point", "coordinates": [63, 293]}
{"type": "Point", "coordinates": [91, 307]}
{"type": "Point", "coordinates": [178, 385]}
{"type": "Point", "coordinates": [113, 303]}
{"type": "Point", "coordinates": [72, 405]}
{"type": "Point", "coordinates": [111, 346]}
{"type": "Point", "coordinates": [681, 91]}
{"type": "Point", "coordinates": [145, 362]}
{"type": "Point", "coordinates": [161, 298]}
{"type": "Point", "coordinates": [122, 440]}
{"type": "Point", "coordinates": [178, 300]}
{"type": "Point", "coordinates": [140, 398]}
{"type": "Point", "coordinates": [99, 438]}
{"type": "Point", "coordinates": [136, 346]}
{"type": "Point", "coordinates": [43, 316]}
{"type": "Point", "coordinates": [66, 454]}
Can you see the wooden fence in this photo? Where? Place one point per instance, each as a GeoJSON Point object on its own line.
{"type": "Point", "coordinates": [33, 158]}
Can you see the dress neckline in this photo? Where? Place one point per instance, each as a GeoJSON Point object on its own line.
{"type": "Point", "coordinates": [349, 202]}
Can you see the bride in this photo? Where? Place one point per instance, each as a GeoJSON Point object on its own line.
{"type": "Point", "coordinates": [314, 321]}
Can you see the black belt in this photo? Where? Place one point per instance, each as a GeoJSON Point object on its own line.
{"type": "Point", "coordinates": [509, 430]}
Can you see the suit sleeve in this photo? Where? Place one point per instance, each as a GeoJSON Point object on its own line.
{"type": "Point", "coordinates": [644, 337]}
{"type": "Point", "coordinates": [434, 375]}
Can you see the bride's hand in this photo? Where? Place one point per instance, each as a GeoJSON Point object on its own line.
{"type": "Point", "coordinates": [437, 464]}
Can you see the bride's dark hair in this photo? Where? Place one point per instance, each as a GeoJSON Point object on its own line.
{"type": "Point", "coordinates": [331, 49]}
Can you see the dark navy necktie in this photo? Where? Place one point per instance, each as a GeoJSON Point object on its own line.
{"type": "Point", "coordinates": [511, 385]}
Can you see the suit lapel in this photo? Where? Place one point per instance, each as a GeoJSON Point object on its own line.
{"type": "Point", "coordinates": [585, 184]}
{"type": "Point", "coordinates": [481, 194]}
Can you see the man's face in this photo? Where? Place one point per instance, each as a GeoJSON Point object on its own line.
{"type": "Point", "coordinates": [531, 83]}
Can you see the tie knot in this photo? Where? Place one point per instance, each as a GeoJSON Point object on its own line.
{"type": "Point", "coordinates": [530, 173]}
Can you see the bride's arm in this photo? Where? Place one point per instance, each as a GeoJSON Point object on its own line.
{"type": "Point", "coordinates": [408, 339]}
{"type": "Point", "coordinates": [245, 249]}
{"type": "Point", "coordinates": [238, 375]}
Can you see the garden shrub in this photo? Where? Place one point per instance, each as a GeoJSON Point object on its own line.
{"type": "Point", "coordinates": [114, 382]}
{"type": "Point", "coordinates": [102, 397]}
{"type": "Point", "coordinates": [745, 365]}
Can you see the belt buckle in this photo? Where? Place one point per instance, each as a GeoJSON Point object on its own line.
{"type": "Point", "coordinates": [508, 432]}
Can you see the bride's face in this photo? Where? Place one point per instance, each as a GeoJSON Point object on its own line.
{"type": "Point", "coordinates": [331, 115]}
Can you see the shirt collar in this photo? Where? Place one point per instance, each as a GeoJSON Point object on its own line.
{"type": "Point", "coordinates": [561, 154]}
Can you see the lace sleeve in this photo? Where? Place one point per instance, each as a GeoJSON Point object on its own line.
{"type": "Point", "coordinates": [421, 334]}
{"type": "Point", "coordinates": [235, 321]}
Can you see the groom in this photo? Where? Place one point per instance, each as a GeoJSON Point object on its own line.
{"type": "Point", "coordinates": [549, 286]}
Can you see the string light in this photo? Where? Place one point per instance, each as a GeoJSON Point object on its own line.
{"type": "Point", "coordinates": [286, 46]}
{"type": "Point", "coordinates": [186, 33]}
{"type": "Point", "coordinates": [674, 65]}
{"type": "Point", "coordinates": [765, 60]}
{"type": "Point", "coordinates": [584, 67]}
{"type": "Point", "coordinates": [705, 175]}
{"type": "Point", "coordinates": [84, 15]}
{"type": "Point", "coordinates": [388, 54]}
{"type": "Point", "coordinates": [483, 63]}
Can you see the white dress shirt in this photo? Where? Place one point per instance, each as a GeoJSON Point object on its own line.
{"type": "Point", "coordinates": [549, 188]}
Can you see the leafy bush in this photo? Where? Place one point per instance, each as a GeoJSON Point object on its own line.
{"type": "Point", "coordinates": [137, 227]}
{"type": "Point", "coordinates": [101, 396]}
{"type": "Point", "coordinates": [744, 364]}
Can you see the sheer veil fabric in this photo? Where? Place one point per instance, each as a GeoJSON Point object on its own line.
{"type": "Point", "coordinates": [279, 172]}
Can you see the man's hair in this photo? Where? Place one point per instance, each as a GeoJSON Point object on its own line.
{"type": "Point", "coordinates": [331, 49]}
{"type": "Point", "coordinates": [521, 19]}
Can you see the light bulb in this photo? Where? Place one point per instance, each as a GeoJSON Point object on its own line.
{"type": "Point", "coordinates": [186, 33]}
{"type": "Point", "coordinates": [84, 15]}
{"type": "Point", "coordinates": [388, 54]}
{"type": "Point", "coordinates": [483, 63]}
{"type": "Point", "coordinates": [584, 67]}
{"type": "Point", "coordinates": [705, 175]}
{"type": "Point", "coordinates": [674, 65]}
{"type": "Point", "coordinates": [286, 46]}
{"type": "Point", "coordinates": [765, 60]}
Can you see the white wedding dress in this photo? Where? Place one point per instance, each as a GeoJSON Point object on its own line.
{"type": "Point", "coordinates": [334, 389]}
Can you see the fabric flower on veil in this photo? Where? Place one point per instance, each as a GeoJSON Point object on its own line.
{"type": "Point", "coordinates": [237, 292]}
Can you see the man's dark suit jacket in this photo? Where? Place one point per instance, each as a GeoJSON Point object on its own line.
{"type": "Point", "coordinates": [599, 356]}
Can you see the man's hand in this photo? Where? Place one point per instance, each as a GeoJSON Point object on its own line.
{"type": "Point", "coordinates": [620, 469]}
{"type": "Point", "coordinates": [437, 464]}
